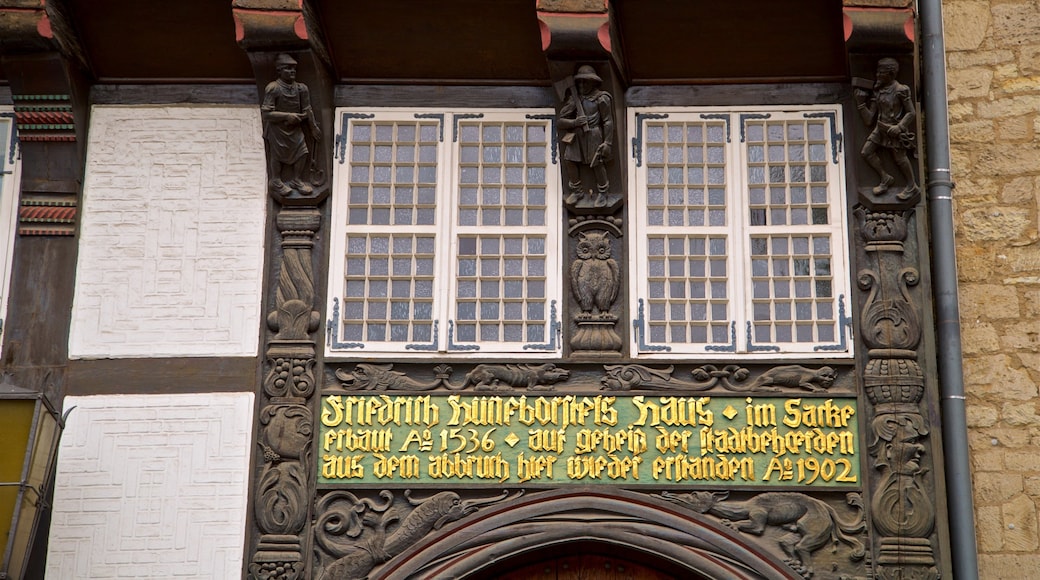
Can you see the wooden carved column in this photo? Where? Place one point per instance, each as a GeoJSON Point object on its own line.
{"type": "Point", "coordinates": [45, 64]}
{"type": "Point", "coordinates": [892, 322]}
{"type": "Point", "coordinates": [586, 69]}
{"type": "Point", "coordinates": [296, 112]}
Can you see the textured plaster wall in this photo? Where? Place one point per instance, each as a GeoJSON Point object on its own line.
{"type": "Point", "coordinates": [993, 53]}
{"type": "Point", "coordinates": [172, 235]}
{"type": "Point", "coordinates": [152, 486]}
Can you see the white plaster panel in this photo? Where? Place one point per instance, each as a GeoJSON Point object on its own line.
{"type": "Point", "coordinates": [152, 486]}
{"type": "Point", "coordinates": [172, 233]}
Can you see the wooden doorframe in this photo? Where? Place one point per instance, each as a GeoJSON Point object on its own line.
{"type": "Point", "coordinates": [613, 519]}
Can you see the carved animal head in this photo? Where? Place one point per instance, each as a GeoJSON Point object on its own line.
{"type": "Point", "coordinates": [450, 507]}
{"type": "Point", "coordinates": [447, 506]}
{"type": "Point", "coordinates": [593, 244]}
{"type": "Point", "coordinates": [367, 377]}
{"type": "Point", "coordinates": [698, 501]}
{"type": "Point", "coordinates": [825, 376]}
{"type": "Point", "coordinates": [548, 373]}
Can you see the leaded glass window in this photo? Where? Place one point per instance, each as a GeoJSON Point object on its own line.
{"type": "Point", "coordinates": [447, 227]}
{"type": "Point", "coordinates": [740, 235]}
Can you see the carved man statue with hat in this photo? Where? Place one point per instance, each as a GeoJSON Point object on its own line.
{"type": "Point", "coordinates": [287, 118]}
{"type": "Point", "coordinates": [890, 111]}
{"type": "Point", "coordinates": [587, 119]}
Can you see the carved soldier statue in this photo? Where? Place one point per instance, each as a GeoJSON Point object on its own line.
{"type": "Point", "coordinates": [287, 118]}
{"type": "Point", "coordinates": [890, 111]}
{"type": "Point", "coordinates": [587, 117]}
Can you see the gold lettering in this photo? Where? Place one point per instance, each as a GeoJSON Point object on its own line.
{"type": "Point", "coordinates": [826, 414]}
{"type": "Point", "coordinates": [342, 467]}
{"type": "Point", "coordinates": [759, 415]}
{"type": "Point", "coordinates": [528, 468]}
{"type": "Point", "coordinates": [332, 411]}
{"type": "Point", "coordinates": [547, 440]}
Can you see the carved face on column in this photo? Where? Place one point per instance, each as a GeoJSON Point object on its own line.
{"type": "Point", "coordinates": [288, 430]}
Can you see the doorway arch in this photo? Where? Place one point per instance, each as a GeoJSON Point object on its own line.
{"type": "Point", "coordinates": [585, 561]}
{"type": "Point", "coordinates": [639, 528]}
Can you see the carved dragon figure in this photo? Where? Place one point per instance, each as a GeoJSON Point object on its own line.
{"type": "Point", "coordinates": [815, 522]}
{"type": "Point", "coordinates": [371, 377]}
{"type": "Point", "coordinates": [380, 532]}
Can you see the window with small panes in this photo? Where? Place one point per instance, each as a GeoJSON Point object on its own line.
{"type": "Point", "coordinates": [446, 233]}
{"type": "Point", "coordinates": [739, 234]}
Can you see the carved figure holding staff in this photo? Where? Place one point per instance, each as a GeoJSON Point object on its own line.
{"type": "Point", "coordinates": [890, 110]}
{"type": "Point", "coordinates": [288, 118]}
{"type": "Point", "coordinates": [587, 119]}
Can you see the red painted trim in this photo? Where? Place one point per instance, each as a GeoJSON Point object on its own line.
{"type": "Point", "coordinates": [603, 34]}
{"type": "Point", "coordinates": [300, 28]}
{"type": "Point", "coordinates": [908, 27]}
{"type": "Point", "coordinates": [43, 27]}
{"type": "Point", "coordinates": [240, 31]}
{"type": "Point", "coordinates": [546, 33]}
{"type": "Point", "coordinates": [908, 24]}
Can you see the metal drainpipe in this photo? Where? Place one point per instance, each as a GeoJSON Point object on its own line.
{"type": "Point", "coordinates": [944, 277]}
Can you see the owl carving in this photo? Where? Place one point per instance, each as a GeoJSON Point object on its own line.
{"type": "Point", "coordinates": [595, 278]}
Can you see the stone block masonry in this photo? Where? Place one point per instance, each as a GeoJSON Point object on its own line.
{"type": "Point", "coordinates": [172, 238]}
{"type": "Point", "coordinates": [993, 54]}
{"type": "Point", "coordinates": [152, 486]}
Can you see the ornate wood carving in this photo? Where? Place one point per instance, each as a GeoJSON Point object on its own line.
{"type": "Point", "coordinates": [730, 377]}
{"type": "Point", "coordinates": [354, 535]}
{"type": "Point", "coordinates": [696, 544]}
{"type": "Point", "coordinates": [285, 480]}
{"type": "Point", "coordinates": [886, 107]}
{"type": "Point", "coordinates": [814, 522]}
{"type": "Point", "coordinates": [902, 497]}
{"type": "Point", "coordinates": [297, 121]}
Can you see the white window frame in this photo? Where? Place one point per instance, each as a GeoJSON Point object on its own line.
{"type": "Point", "coordinates": [10, 173]}
{"type": "Point", "coordinates": [738, 270]}
{"type": "Point", "coordinates": [447, 232]}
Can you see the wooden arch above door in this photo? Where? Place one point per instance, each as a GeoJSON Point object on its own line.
{"type": "Point", "coordinates": [635, 528]}
{"type": "Point", "coordinates": [585, 561]}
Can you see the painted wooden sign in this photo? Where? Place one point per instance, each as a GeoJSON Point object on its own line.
{"type": "Point", "coordinates": [632, 440]}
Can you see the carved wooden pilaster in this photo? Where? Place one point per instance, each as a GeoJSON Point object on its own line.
{"type": "Point", "coordinates": [579, 41]}
{"type": "Point", "coordinates": [295, 91]}
{"type": "Point", "coordinates": [880, 37]}
{"type": "Point", "coordinates": [903, 491]}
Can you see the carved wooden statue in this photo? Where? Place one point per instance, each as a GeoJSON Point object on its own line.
{"type": "Point", "coordinates": [595, 275]}
{"type": "Point", "coordinates": [288, 119]}
{"type": "Point", "coordinates": [587, 119]}
{"type": "Point", "coordinates": [889, 109]}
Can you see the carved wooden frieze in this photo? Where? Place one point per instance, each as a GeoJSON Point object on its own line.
{"type": "Point", "coordinates": [813, 523]}
{"type": "Point", "coordinates": [793, 379]}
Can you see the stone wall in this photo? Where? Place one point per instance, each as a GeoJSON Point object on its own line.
{"type": "Point", "coordinates": [993, 53]}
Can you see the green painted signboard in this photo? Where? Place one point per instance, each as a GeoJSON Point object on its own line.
{"type": "Point", "coordinates": [567, 439]}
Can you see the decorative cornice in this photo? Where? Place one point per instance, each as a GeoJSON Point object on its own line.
{"type": "Point", "coordinates": [29, 26]}
{"type": "Point", "coordinates": [877, 30]}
